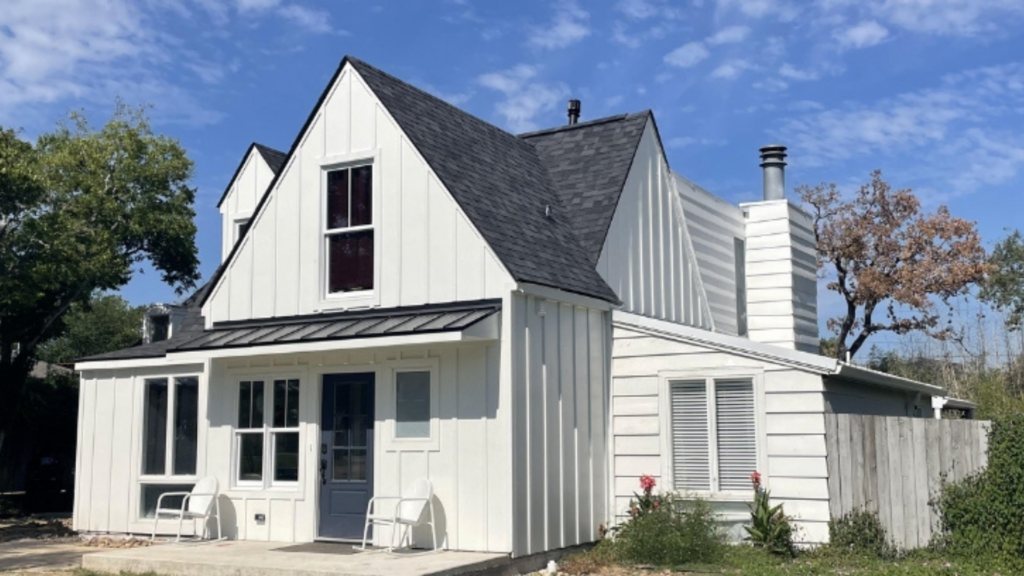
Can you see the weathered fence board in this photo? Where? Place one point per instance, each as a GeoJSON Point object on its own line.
{"type": "Point", "coordinates": [893, 466]}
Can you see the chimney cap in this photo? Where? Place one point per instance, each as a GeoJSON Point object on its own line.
{"type": "Point", "coordinates": [574, 111]}
{"type": "Point", "coordinates": [773, 155]}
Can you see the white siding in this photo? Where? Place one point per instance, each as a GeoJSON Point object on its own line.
{"type": "Point", "coordinates": [560, 423]}
{"type": "Point", "coordinates": [714, 226]}
{"type": "Point", "coordinates": [469, 468]}
{"type": "Point", "coordinates": [108, 464]}
{"type": "Point", "coordinates": [243, 193]}
{"type": "Point", "coordinates": [647, 256]}
{"type": "Point", "coordinates": [782, 290]}
{"type": "Point", "coordinates": [426, 249]}
{"type": "Point", "coordinates": [792, 442]}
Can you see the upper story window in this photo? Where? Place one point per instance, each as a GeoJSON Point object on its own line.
{"type": "Point", "coordinates": [348, 230]}
{"type": "Point", "coordinates": [241, 227]}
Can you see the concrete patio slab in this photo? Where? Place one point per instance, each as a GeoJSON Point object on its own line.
{"type": "Point", "coordinates": [26, 555]}
{"type": "Point", "coordinates": [246, 558]}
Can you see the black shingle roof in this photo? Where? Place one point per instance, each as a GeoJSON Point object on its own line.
{"type": "Point", "coordinates": [588, 163]}
{"type": "Point", "coordinates": [500, 183]}
{"type": "Point", "coordinates": [274, 158]}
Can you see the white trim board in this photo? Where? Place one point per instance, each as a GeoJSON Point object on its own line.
{"type": "Point", "coordinates": [805, 361]}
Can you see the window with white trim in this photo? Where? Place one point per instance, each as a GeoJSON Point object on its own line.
{"type": "Point", "coordinates": [412, 404]}
{"type": "Point", "coordinates": [170, 429]}
{"type": "Point", "coordinates": [267, 434]}
{"type": "Point", "coordinates": [348, 230]}
{"type": "Point", "coordinates": [714, 435]}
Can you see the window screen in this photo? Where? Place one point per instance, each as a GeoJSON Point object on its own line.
{"type": "Point", "coordinates": [412, 391]}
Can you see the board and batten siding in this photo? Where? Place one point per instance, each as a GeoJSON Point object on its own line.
{"type": "Point", "coordinates": [243, 194]}
{"type": "Point", "coordinates": [715, 227]}
{"type": "Point", "coordinates": [108, 463]}
{"type": "Point", "coordinates": [468, 466]}
{"type": "Point", "coordinates": [560, 421]}
{"type": "Point", "coordinates": [792, 435]}
{"type": "Point", "coordinates": [426, 249]}
{"type": "Point", "coordinates": [647, 258]}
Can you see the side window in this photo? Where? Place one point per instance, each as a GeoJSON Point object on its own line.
{"type": "Point", "coordinates": [170, 426]}
{"type": "Point", "coordinates": [412, 404]}
{"type": "Point", "coordinates": [714, 437]}
{"type": "Point", "coordinates": [349, 230]}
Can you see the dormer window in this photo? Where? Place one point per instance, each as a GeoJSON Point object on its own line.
{"type": "Point", "coordinates": [348, 230]}
{"type": "Point", "coordinates": [241, 227]}
{"type": "Point", "coordinates": [160, 327]}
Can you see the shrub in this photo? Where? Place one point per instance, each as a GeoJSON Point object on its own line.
{"type": "Point", "coordinates": [862, 532]}
{"type": "Point", "coordinates": [666, 530]}
{"type": "Point", "coordinates": [769, 528]}
{"type": "Point", "coordinates": [982, 516]}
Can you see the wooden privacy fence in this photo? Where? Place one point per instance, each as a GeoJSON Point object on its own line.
{"type": "Point", "coordinates": [893, 466]}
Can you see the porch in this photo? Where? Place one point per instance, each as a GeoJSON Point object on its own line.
{"type": "Point", "coordinates": [248, 558]}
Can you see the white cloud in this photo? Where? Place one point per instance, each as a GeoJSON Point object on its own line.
{"type": "Point", "coordinates": [778, 9]}
{"type": "Point", "coordinates": [862, 35]}
{"type": "Point", "coordinates": [316, 21]}
{"type": "Point", "coordinates": [255, 5]}
{"type": "Point", "coordinates": [687, 55]}
{"type": "Point", "coordinates": [948, 17]}
{"type": "Point", "coordinates": [952, 134]}
{"type": "Point", "coordinates": [524, 96]}
{"type": "Point", "coordinates": [731, 70]}
{"type": "Point", "coordinates": [620, 35]}
{"type": "Point", "coordinates": [771, 85]}
{"type": "Point", "coordinates": [646, 9]}
{"type": "Point", "coordinates": [730, 35]}
{"type": "Point", "coordinates": [789, 71]}
{"type": "Point", "coordinates": [570, 25]}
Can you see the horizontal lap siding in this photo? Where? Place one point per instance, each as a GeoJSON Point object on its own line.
{"type": "Point", "coordinates": [794, 425]}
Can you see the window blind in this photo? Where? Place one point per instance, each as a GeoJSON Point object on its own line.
{"type": "Point", "coordinates": [737, 445]}
{"type": "Point", "coordinates": [691, 462]}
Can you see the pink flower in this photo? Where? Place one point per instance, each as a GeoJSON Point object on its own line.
{"type": "Point", "coordinates": [647, 482]}
{"type": "Point", "coordinates": [755, 479]}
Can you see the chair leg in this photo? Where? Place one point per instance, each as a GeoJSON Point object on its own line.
{"type": "Point", "coordinates": [181, 520]}
{"type": "Point", "coordinates": [216, 503]}
{"type": "Point", "coordinates": [433, 528]}
{"type": "Point", "coordinates": [366, 532]}
{"type": "Point", "coordinates": [156, 519]}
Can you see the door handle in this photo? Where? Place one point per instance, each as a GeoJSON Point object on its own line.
{"type": "Point", "coordinates": [323, 471]}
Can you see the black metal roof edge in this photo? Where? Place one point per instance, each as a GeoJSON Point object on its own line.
{"type": "Point", "coordinates": [271, 156]}
{"type": "Point", "coordinates": [215, 281]}
{"type": "Point", "coordinates": [587, 124]}
{"type": "Point", "coordinates": [456, 306]}
{"type": "Point", "coordinates": [238, 170]}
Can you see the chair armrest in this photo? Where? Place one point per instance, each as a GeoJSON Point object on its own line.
{"type": "Point", "coordinates": [183, 500]}
{"type": "Point", "coordinates": [369, 504]}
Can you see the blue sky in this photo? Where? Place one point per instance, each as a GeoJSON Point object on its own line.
{"type": "Point", "coordinates": [930, 91]}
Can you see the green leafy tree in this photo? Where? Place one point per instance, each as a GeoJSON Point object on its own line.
{"type": "Point", "coordinates": [101, 324]}
{"type": "Point", "coordinates": [1005, 287]}
{"type": "Point", "coordinates": [80, 209]}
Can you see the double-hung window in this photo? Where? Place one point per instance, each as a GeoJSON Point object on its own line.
{"type": "Point", "coordinates": [348, 230]}
{"type": "Point", "coordinates": [170, 437]}
{"type": "Point", "coordinates": [267, 434]}
{"type": "Point", "coordinates": [714, 434]}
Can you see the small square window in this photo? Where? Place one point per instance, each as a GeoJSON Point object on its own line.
{"type": "Point", "coordinates": [412, 396]}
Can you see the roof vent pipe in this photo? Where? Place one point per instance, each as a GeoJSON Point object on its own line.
{"type": "Point", "coordinates": [773, 163]}
{"type": "Point", "coordinates": [574, 111]}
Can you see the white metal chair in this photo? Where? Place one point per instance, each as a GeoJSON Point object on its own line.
{"type": "Point", "coordinates": [408, 514]}
{"type": "Point", "coordinates": [195, 505]}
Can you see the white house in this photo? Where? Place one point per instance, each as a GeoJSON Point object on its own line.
{"type": "Point", "coordinates": [531, 322]}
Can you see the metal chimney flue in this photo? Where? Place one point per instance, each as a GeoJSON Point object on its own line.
{"type": "Point", "coordinates": [574, 111]}
{"type": "Point", "coordinates": [773, 165]}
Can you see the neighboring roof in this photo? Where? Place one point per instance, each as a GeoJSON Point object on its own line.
{"type": "Point", "coordinates": [805, 361]}
{"type": "Point", "coordinates": [588, 163]}
{"type": "Point", "coordinates": [342, 326]}
{"type": "Point", "coordinates": [499, 181]}
{"type": "Point", "coordinates": [191, 326]}
{"type": "Point", "coordinates": [427, 319]}
{"type": "Point", "coordinates": [274, 159]}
